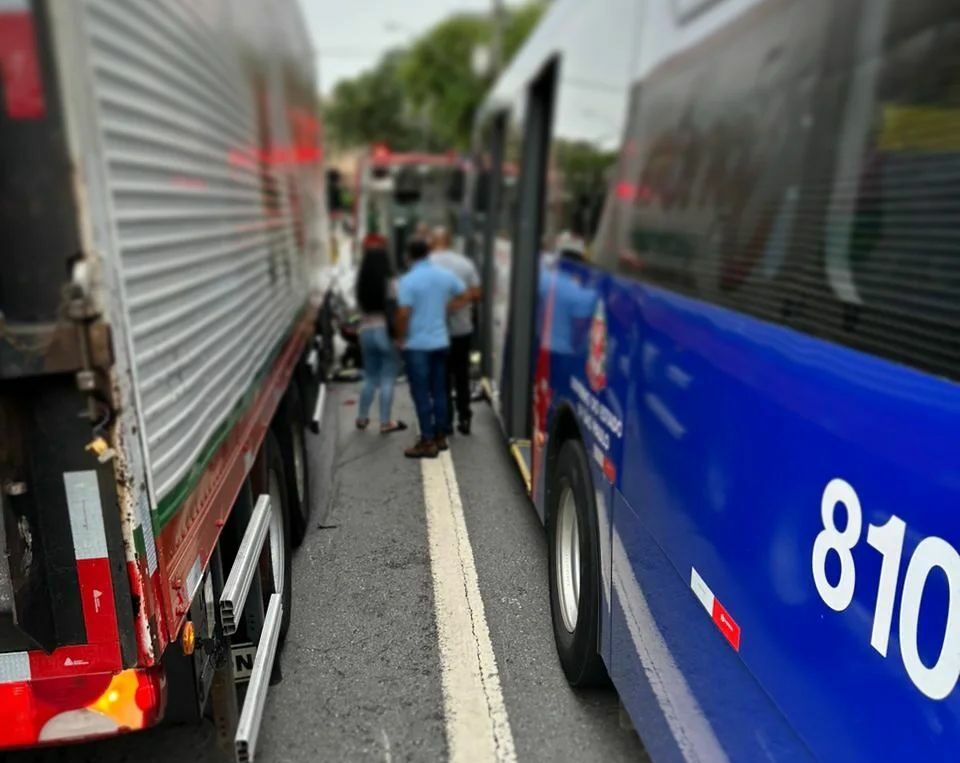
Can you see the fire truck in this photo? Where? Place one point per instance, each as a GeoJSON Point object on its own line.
{"type": "Point", "coordinates": [161, 227]}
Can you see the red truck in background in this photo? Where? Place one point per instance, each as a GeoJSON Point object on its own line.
{"type": "Point", "coordinates": [162, 224]}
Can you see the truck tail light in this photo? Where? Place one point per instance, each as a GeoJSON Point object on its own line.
{"type": "Point", "coordinates": [77, 724]}
{"type": "Point", "coordinates": [83, 707]}
{"type": "Point", "coordinates": [20, 75]}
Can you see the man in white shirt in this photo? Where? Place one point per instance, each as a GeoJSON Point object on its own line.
{"type": "Point", "coordinates": [460, 324]}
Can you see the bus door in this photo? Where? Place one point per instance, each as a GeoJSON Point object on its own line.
{"type": "Point", "coordinates": [488, 191]}
{"type": "Point", "coordinates": [517, 379]}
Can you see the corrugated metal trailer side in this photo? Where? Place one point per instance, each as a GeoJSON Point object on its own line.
{"type": "Point", "coordinates": [202, 231]}
{"type": "Point", "coordinates": [183, 138]}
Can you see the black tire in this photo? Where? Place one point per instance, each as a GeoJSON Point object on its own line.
{"type": "Point", "coordinates": [271, 479]}
{"type": "Point", "coordinates": [291, 436]}
{"type": "Point", "coordinates": [578, 648]}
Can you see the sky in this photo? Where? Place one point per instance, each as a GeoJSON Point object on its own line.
{"type": "Point", "coordinates": [350, 36]}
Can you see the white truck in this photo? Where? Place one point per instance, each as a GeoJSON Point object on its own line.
{"type": "Point", "coordinates": [161, 223]}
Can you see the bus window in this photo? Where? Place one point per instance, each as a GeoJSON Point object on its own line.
{"type": "Point", "coordinates": [725, 190]}
{"type": "Point", "coordinates": [709, 176]}
{"type": "Point", "coordinates": [891, 264]}
{"type": "Point", "coordinates": [588, 126]}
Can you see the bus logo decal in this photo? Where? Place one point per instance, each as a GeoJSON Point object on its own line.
{"type": "Point", "coordinates": [597, 352]}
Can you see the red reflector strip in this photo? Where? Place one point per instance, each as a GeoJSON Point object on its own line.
{"type": "Point", "coordinates": [718, 613]}
{"type": "Point", "coordinates": [76, 661]}
{"type": "Point", "coordinates": [20, 76]}
{"type": "Point", "coordinates": [609, 470]}
{"type": "Point", "coordinates": [726, 624]}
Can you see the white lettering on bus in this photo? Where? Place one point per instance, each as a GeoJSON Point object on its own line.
{"type": "Point", "coordinates": [938, 680]}
{"type": "Point", "coordinates": [597, 409]}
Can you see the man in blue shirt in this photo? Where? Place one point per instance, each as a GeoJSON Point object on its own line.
{"type": "Point", "coordinates": [424, 296]}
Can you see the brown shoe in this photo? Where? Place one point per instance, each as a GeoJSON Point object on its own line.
{"type": "Point", "coordinates": [441, 442]}
{"type": "Point", "coordinates": [423, 449]}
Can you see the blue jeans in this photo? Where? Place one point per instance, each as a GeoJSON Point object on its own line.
{"type": "Point", "coordinates": [380, 365]}
{"type": "Point", "coordinates": [427, 371]}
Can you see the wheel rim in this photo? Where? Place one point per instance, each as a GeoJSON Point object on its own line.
{"type": "Point", "coordinates": [567, 556]}
{"type": "Point", "coordinates": [299, 468]}
{"type": "Point", "coordinates": [277, 546]}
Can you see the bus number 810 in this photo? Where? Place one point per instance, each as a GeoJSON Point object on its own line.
{"type": "Point", "coordinates": [939, 679]}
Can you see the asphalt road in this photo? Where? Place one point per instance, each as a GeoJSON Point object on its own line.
{"type": "Point", "coordinates": [362, 666]}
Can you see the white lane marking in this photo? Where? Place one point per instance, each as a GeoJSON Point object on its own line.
{"type": "Point", "coordinates": [387, 757]}
{"type": "Point", "coordinates": [477, 725]}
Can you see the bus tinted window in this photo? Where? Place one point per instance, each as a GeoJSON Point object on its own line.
{"type": "Point", "coordinates": [760, 175]}
{"type": "Point", "coordinates": [891, 229]}
{"type": "Point", "coordinates": [711, 165]}
{"type": "Point", "coordinates": [588, 124]}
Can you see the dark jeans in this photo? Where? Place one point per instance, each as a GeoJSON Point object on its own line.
{"type": "Point", "coordinates": [427, 372]}
{"type": "Point", "coordinates": [460, 376]}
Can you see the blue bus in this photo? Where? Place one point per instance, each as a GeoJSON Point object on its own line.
{"type": "Point", "coordinates": [721, 247]}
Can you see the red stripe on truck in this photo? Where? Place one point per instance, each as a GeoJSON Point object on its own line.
{"type": "Point", "coordinates": [96, 594]}
{"type": "Point", "coordinates": [101, 653]}
{"type": "Point", "coordinates": [192, 533]}
{"type": "Point", "coordinates": [20, 77]}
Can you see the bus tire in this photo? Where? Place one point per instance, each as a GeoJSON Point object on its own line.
{"type": "Point", "coordinates": [574, 568]}
{"type": "Point", "coordinates": [271, 479]}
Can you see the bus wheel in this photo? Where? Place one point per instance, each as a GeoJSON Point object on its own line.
{"type": "Point", "coordinates": [574, 568]}
{"type": "Point", "coordinates": [275, 561]}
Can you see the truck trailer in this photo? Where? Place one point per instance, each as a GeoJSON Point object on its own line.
{"type": "Point", "coordinates": [161, 219]}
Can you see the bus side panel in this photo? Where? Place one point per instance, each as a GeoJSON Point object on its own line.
{"type": "Point", "coordinates": [688, 693]}
{"type": "Point", "coordinates": [737, 432]}
{"type": "Point", "coordinates": [685, 688]}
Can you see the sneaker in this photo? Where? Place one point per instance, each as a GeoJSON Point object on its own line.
{"type": "Point", "coordinates": [422, 449]}
{"type": "Point", "coordinates": [463, 426]}
{"type": "Point", "coordinates": [441, 443]}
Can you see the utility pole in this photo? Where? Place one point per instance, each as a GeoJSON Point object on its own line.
{"type": "Point", "coordinates": [496, 42]}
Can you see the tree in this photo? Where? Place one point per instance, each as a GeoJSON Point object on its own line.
{"type": "Point", "coordinates": [425, 97]}
{"type": "Point", "coordinates": [438, 75]}
{"type": "Point", "coordinates": [371, 108]}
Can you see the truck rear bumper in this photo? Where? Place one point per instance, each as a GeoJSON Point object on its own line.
{"type": "Point", "coordinates": [57, 710]}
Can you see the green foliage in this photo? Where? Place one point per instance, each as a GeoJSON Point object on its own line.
{"type": "Point", "coordinates": [438, 78]}
{"type": "Point", "coordinates": [425, 97]}
{"type": "Point", "coordinates": [371, 108]}
{"type": "Point", "coordinates": [584, 167]}
{"type": "Point", "coordinates": [520, 24]}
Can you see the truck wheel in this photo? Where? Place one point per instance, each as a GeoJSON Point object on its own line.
{"type": "Point", "coordinates": [275, 562]}
{"type": "Point", "coordinates": [296, 463]}
{"type": "Point", "coordinates": [574, 568]}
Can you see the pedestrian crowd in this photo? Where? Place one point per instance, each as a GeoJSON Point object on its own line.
{"type": "Point", "coordinates": [425, 316]}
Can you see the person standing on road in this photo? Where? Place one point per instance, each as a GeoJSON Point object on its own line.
{"type": "Point", "coordinates": [425, 295]}
{"type": "Point", "coordinates": [376, 300]}
{"type": "Point", "coordinates": [460, 324]}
